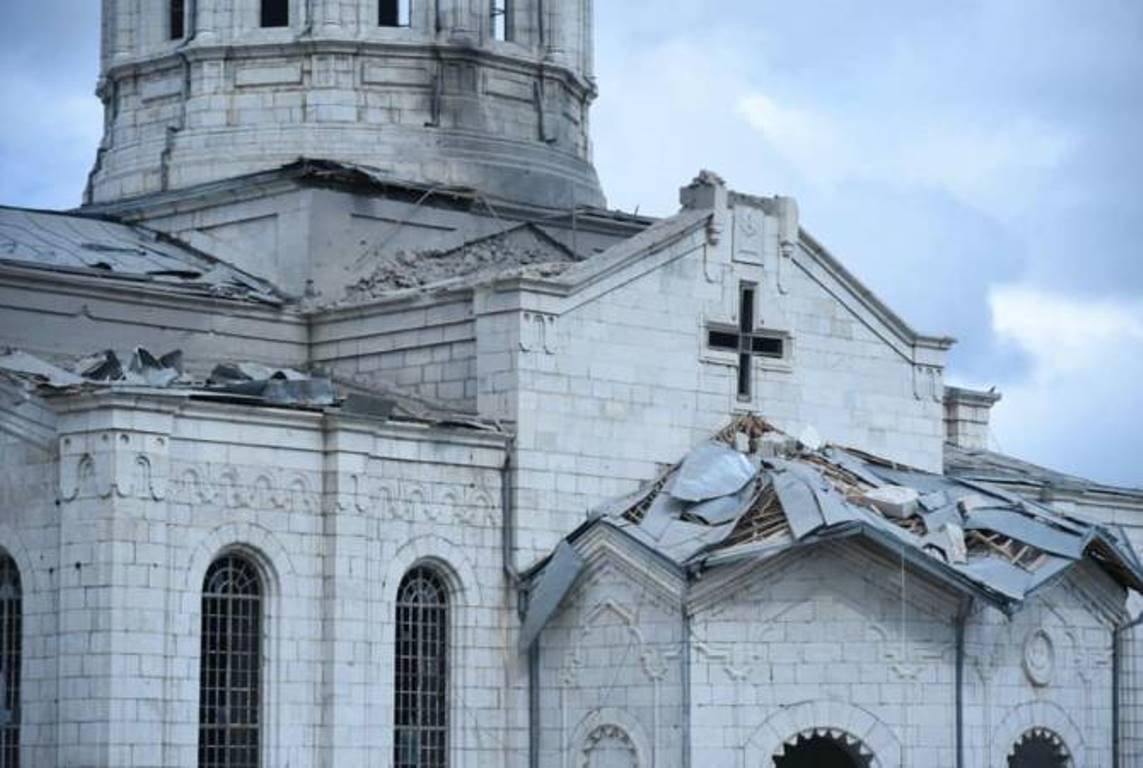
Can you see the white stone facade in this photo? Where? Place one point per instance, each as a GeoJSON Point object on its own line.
{"type": "Point", "coordinates": [440, 100]}
{"type": "Point", "coordinates": [537, 392]}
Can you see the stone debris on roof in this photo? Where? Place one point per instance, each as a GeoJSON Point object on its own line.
{"type": "Point", "coordinates": [521, 246]}
{"type": "Point", "coordinates": [92, 246]}
{"type": "Point", "coordinates": [752, 491]}
{"type": "Point", "coordinates": [238, 382]}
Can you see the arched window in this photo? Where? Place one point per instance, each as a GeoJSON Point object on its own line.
{"type": "Point", "coordinates": [230, 681]}
{"type": "Point", "coordinates": [394, 13]}
{"type": "Point", "coordinates": [1040, 748]}
{"type": "Point", "coordinates": [814, 749]}
{"type": "Point", "coordinates": [11, 634]}
{"type": "Point", "coordinates": [421, 672]}
{"type": "Point", "coordinates": [275, 13]}
{"type": "Point", "coordinates": [177, 23]}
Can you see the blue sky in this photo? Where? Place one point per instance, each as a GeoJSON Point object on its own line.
{"type": "Point", "coordinates": [978, 163]}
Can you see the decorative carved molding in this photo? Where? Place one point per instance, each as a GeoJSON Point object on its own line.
{"type": "Point", "coordinates": [608, 737]}
{"type": "Point", "coordinates": [1039, 657]}
{"type": "Point", "coordinates": [651, 661]}
{"type": "Point", "coordinates": [125, 474]}
{"type": "Point", "coordinates": [538, 333]}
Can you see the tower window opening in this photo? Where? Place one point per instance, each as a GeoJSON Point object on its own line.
{"type": "Point", "coordinates": [178, 20]}
{"type": "Point", "coordinates": [395, 13]}
{"type": "Point", "coordinates": [501, 17]}
{"type": "Point", "coordinates": [275, 13]}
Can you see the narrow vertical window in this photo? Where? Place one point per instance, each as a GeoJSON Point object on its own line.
{"type": "Point", "coordinates": [11, 634]}
{"type": "Point", "coordinates": [178, 20]}
{"type": "Point", "coordinates": [501, 11]}
{"type": "Point", "coordinates": [230, 681]}
{"type": "Point", "coordinates": [421, 672]}
{"type": "Point", "coordinates": [275, 13]}
{"type": "Point", "coordinates": [395, 13]}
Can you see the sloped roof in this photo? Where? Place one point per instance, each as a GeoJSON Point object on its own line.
{"type": "Point", "coordinates": [753, 492]}
{"type": "Point", "coordinates": [102, 248]}
{"type": "Point", "coordinates": [986, 466]}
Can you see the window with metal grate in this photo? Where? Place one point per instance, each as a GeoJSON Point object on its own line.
{"type": "Point", "coordinates": [230, 680]}
{"type": "Point", "coordinates": [421, 672]}
{"type": "Point", "coordinates": [11, 636]}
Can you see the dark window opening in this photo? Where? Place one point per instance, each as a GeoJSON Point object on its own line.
{"type": "Point", "coordinates": [746, 308]}
{"type": "Point", "coordinates": [768, 346]}
{"type": "Point", "coordinates": [744, 376]}
{"type": "Point", "coordinates": [230, 677]}
{"type": "Point", "coordinates": [11, 647]}
{"type": "Point", "coordinates": [821, 752]}
{"type": "Point", "coordinates": [178, 28]}
{"type": "Point", "coordinates": [421, 670]}
{"type": "Point", "coordinates": [275, 13]}
{"type": "Point", "coordinates": [723, 340]}
{"type": "Point", "coordinates": [394, 13]}
{"type": "Point", "coordinates": [1040, 748]}
{"type": "Point", "coordinates": [501, 11]}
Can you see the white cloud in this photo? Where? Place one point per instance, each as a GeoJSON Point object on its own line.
{"type": "Point", "coordinates": [1080, 405]}
{"type": "Point", "coordinates": [982, 164]}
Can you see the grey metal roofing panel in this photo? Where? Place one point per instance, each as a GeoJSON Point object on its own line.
{"type": "Point", "coordinates": [999, 575]}
{"type": "Point", "coordinates": [712, 470]}
{"type": "Point", "coordinates": [798, 502]}
{"type": "Point", "coordinates": [1017, 544]}
{"type": "Point", "coordinates": [1020, 527]}
{"type": "Point", "coordinates": [99, 247]}
{"type": "Point", "coordinates": [555, 581]}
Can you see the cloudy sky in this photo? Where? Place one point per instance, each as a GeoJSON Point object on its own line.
{"type": "Point", "coordinates": [979, 163]}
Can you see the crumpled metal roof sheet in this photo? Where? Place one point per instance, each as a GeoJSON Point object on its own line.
{"type": "Point", "coordinates": [719, 504]}
{"type": "Point", "coordinates": [102, 248]}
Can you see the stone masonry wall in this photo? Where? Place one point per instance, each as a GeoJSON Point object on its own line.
{"type": "Point", "coordinates": [332, 514]}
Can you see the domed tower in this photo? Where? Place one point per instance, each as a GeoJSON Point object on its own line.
{"type": "Point", "coordinates": [487, 94]}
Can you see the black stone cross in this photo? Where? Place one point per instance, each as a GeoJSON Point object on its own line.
{"type": "Point", "coordinates": [746, 340]}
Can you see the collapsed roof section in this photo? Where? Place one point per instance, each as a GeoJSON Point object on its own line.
{"type": "Point", "coordinates": [97, 247]}
{"type": "Point", "coordinates": [753, 492]}
{"type": "Point", "coordinates": [242, 383]}
{"type": "Point", "coordinates": [507, 251]}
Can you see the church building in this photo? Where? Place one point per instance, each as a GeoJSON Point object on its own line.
{"type": "Point", "coordinates": [344, 425]}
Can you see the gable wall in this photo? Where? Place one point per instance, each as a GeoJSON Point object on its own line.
{"type": "Point", "coordinates": [611, 672]}
{"type": "Point", "coordinates": [617, 379]}
{"type": "Point", "coordinates": [1049, 667]}
{"type": "Point", "coordinates": [824, 639]}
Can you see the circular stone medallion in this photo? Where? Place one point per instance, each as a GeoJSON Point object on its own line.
{"type": "Point", "coordinates": [1039, 657]}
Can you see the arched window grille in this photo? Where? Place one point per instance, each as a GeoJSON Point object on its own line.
{"type": "Point", "coordinates": [230, 681]}
{"type": "Point", "coordinates": [11, 634]}
{"type": "Point", "coordinates": [421, 674]}
{"type": "Point", "coordinates": [275, 13]}
{"type": "Point", "coordinates": [1040, 748]}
